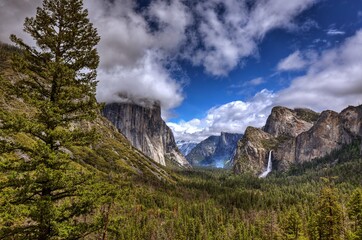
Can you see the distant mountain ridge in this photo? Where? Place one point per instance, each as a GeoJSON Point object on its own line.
{"type": "Point", "coordinates": [185, 147]}
{"type": "Point", "coordinates": [296, 136]}
{"type": "Point", "coordinates": [143, 126]}
{"type": "Point", "coordinates": [214, 151]}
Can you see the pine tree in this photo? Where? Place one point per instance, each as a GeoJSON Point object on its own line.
{"type": "Point", "coordinates": [292, 225]}
{"type": "Point", "coordinates": [44, 192]}
{"type": "Point", "coordinates": [355, 212]}
{"type": "Point", "coordinates": [329, 215]}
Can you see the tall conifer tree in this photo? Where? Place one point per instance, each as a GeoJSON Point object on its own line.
{"type": "Point", "coordinates": [329, 215]}
{"type": "Point", "coordinates": [44, 191]}
{"type": "Point", "coordinates": [355, 212]}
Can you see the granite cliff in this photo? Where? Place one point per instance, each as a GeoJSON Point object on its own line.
{"type": "Point", "coordinates": [252, 150]}
{"type": "Point", "coordinates": [143, 126]}
{"type": "Point", "coordinates": [296, 136]}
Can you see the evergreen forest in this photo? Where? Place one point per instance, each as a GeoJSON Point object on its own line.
{"type": "Point", "coordinates": [65, 172]}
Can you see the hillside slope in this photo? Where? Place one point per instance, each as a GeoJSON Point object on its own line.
{"type": "Point", "coordinates": [111, 153]}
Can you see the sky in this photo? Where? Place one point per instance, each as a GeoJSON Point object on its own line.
{"type": "Point", "coordinates": [221, 65]}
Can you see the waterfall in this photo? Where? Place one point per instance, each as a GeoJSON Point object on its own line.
{"type": "Point", "coordinates": [268, 168]}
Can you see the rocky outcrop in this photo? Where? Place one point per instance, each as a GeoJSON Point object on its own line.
{"type": "Point", "coordinates": [215, 151]}
{"type": "Point", "coordinates": [289, 123]}
{"type": "Point", "coordinates": [282, 126]}
{"type": "Point", "coordinates": [297, 138]}
{"type": "Point", "coordinates": [326, 135]}
{"type": "Point", "coordinates": [145, 129]}
{"type": "Point", "coordinates": [331, 132]}
{"type": "Point", "coordinates": [251, 152]}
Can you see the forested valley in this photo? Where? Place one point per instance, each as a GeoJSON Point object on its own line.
{"type": "Point", "coordinates": [66, 173]}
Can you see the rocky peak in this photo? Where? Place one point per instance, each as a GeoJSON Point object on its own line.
{"type": "Point", "coordinates": [143, 126]}
{"type": "Point", "coordinates": [289, 123]}
{"type": "Point", "coordinates": [351, 120]}
{"type": "Point", "coordinates": [297, 136]}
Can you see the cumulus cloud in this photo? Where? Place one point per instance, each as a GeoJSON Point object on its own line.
{"type": "Point", "coordinates": [232, 117]}
{"type": "Point", "coordinates": [146, 79]}
{"type": "Point", "coordinates": [12, 15]}
{"type": "Point", "coordinates": [334, 81]}
{"type": "Point", "coordinates": [138, 45]}
{"type": "Point", "coordinates": [134, 57]}
{"type": "Point", "coordinates": [230, 34]}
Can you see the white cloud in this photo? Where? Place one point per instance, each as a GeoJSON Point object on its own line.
{"type": "Point", "coordinates": [335, 32]}
{"type": "Point", "coordinates": [12, 15]}
{"type": "Point", "coordinates": [307, 25]}
{"type": "Point", "coordinates": [146, 79]}
{"type": "Point", "coordinates": [256, 81]}
{"type": "Point", "coordinates": [235, 34]}
{"type": "Point", "coordinates": [334, 81]}
{"type": "Point", "coordinates": [247, 84]}
{"type": "Point", "coordinates": [232, 117]}
{"type": "Point", "coordinates": [298, 60]}
{"type": "Point", "coordinates": [293, 62]}
{"type": "Point", "coordinates": [133, 57]}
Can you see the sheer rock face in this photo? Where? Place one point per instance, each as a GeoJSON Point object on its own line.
{"type": "Point", "coordinates": [252, 150]}
{"type": "Point", "coordinates": [351, 118]}
{"type": "Point", "coordinates": [146, 130]}
{"type": "Point", "coordinates": [215, 150]}
{"type": "Point", "coordinates": [282, 126]}
{"type": "Point", "coordinates": [326, 135]}
{"type": "Point", "coordinates": [294, 137]}
{"type": "Point", "coordinates": [289, 123]}
{"type": "Point", "coordinates": [331, 131]}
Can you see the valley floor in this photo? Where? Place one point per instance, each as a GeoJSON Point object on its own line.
{"type": "Point", "coordinates": [319, 200]}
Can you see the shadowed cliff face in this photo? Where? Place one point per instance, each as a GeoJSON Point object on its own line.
{"type": "Point", "coordinates": [146, 130]}
{"type": "Point", "coordinates": [297, 136]}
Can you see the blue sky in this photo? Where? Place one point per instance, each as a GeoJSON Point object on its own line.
{"type": "Point", "coordinates": [221, 65]}
{"type": "Point", "coordinates": [327, 24]}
